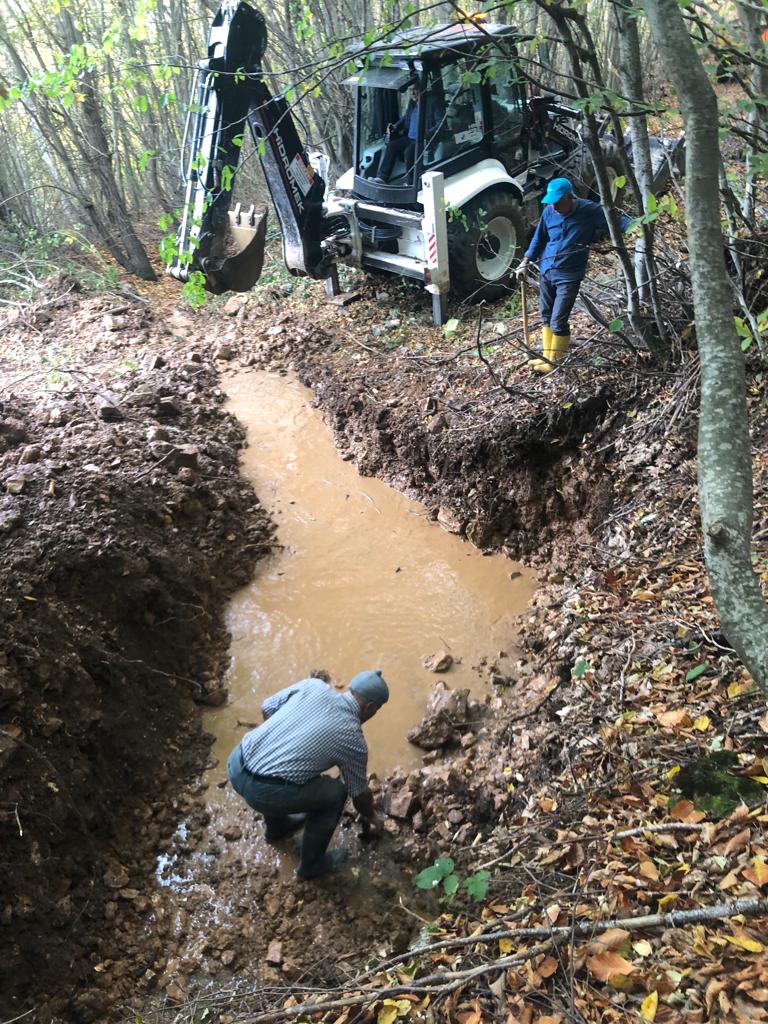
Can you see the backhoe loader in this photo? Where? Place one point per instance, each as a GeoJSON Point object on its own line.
{"type": "Point", "coordinates": [450, 206]}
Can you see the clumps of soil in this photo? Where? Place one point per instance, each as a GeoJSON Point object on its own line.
{"type": "Point", "coordinates": [123, 528]}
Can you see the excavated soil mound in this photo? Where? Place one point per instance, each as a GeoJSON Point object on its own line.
{"type": "Point", "coordinates": [123, 528]}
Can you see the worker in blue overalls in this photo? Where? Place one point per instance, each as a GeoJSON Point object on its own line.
{"type": "Point", "coordinates": [560, 246]}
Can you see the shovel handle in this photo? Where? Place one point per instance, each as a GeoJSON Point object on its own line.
{"type": "Point", "coordinates": [524, 307]}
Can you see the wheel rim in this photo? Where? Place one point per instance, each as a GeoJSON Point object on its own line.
{"type": "Point", "coordinates": [496, 249]}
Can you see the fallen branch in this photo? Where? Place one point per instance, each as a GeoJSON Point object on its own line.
{"type": "Point", "coordinates": [444, 982]}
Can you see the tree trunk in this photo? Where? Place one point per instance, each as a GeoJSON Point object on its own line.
{"type": "Point", "coordinates": [725, 465]}
{"type": "Point", "coordinates": [118, 231]}
{"type": "Point", "coordinates": [631, 75]}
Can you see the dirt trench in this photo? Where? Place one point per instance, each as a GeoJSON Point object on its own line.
{"type": "Point", "coordinates": [124, 527]}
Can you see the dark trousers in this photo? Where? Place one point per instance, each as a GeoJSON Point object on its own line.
{"type": "Point", "coordinates": [399, 145]}
{"type": "Point", "coordinates": [556, 299]}
{"type": "Point", "coordinates": [322, 799]}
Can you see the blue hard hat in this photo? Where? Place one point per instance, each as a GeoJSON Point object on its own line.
{"type": "Point", "coordinates": [556, 189]}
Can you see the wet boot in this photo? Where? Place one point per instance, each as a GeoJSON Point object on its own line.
{"type": "Point", "coordinates": [333, 861]}
{"type": "Point", "coordinates": [543, 365]}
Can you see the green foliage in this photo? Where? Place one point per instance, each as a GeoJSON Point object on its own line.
{"type": "Point", "coordinates": [450, 328]}
{"type": "Point", "coordinates": [616, 325]}
{"type": "Point", "coordinates": [744, 332]}
{"type": "Point", "coordinates": [712, 785]}
{"type": "Point", "coordinates": [194, 290]}
{"type": "Point", "coordinates": [580, 669]}
{"type": "Point", "coordinates": [694, 673]}
{"type": "Point", "coordinates": [442, 873]}
{"type": "Point", "coordinates": [456, 214]}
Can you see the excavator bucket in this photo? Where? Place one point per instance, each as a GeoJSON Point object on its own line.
{"type": "Point", "coordinates": [236, 256]}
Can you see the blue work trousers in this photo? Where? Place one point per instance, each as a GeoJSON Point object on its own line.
{"type": "Point", "coordinates": [556, 299]}
{"type": "Point", "coordinates": [322, 799]}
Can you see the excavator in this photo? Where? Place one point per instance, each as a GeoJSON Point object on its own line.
{"type": "Point", "coordinates": [450, 161]}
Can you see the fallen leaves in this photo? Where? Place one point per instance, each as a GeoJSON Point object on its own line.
{"type": "Point", "coordinates": [607, 965]}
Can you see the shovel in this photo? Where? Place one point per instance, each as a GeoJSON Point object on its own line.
{"type": "Point", "coordinates": [524, 307]}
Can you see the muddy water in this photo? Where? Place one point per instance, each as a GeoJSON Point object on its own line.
{"type": "Point", "coordinates": [363, 580]}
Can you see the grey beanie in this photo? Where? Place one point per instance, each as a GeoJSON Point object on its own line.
{"type": "Point", "coordinates": [370, 686]}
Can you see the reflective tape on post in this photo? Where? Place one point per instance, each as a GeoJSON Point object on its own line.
{"type": "Point", "coordinates": [434, 227]}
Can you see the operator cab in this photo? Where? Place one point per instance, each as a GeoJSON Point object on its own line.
{"type": "Point", "coordinates": [447, 98]}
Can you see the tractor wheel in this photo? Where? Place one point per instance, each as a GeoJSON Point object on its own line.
{"type": "Point", "coordinates": [485, 243]}
{"type": "Point", "coordinates": [582, 173]}
{"type": "Point", "coordinates": [614, 165]}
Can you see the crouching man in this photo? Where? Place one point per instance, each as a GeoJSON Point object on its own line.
{"type": "Point", "coordinates": [277, 769]}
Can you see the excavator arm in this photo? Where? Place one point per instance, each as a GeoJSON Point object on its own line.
{"type": "Point", "coordinates": [227, 245]}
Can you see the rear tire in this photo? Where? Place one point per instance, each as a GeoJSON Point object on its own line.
{"type": "Point", "coordinates": [582, 173]}
{"type": "Point", "coordinates": [485, 244]}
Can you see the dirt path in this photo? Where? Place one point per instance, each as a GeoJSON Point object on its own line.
{"type": "Point", "coordinates": [123, 537]}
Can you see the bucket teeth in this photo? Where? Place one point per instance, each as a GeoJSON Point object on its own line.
{"type": "Point", "coordinates": [237, 254]}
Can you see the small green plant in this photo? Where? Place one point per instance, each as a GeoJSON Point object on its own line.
{"type": "Point", "coordinates": [450, 328]}
{"type": "Point", "coordinates": [194, 290]}
{"type": "Point", "coordinates": [441, 873]}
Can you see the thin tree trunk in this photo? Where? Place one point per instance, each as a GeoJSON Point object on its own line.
{"type": "Point", "coordinates": [631, 75]}
{"type": "Point", "coordinates": [725, 465]}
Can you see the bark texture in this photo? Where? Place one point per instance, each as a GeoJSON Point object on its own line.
{"type": "Point", "coordinates": [725, 463]}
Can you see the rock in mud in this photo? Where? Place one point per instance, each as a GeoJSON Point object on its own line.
{"type": "Point", "coordinates": [168, 406]}
{"type": "Point", "coordinates": [29, 455]}
{"type": "Point", "coordinates": [400, 803]}
{"type": "Point", "coordinates": [12, 432]}
{"type": "Point", "coordinates": [440, 726]}
{"type": "Point", "coordinates": [108, 409]}
{"type": "Point", "coordinates": [232, 306]}
{"type": "Point", "coordinates": [9, 519]}
{"type": "Point", "coordinates": [439, 662]}
{"type": "Point", "coordinates": [15, 484]}
{"type": "Point", "coordinates": [449, 520]}
{"type": "Point", "coordinates": [275, 953]}
{"type": "Point", "coordinates": [116, 877]}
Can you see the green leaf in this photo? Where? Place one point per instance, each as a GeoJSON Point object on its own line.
{"type": "Point", "coordinates": [616, 325]}
{"type": "Point", "coordinates": [450, 327]}
{"type": "Point", "coordinates": [451, 885]}
{"type": "Point", "coordinates": [620, 181]}
{"type": "Point", "coordinates": [696, 672]}
{"type": "Point", "coordinates": [477, 885]}
{"type": "Point", "coordinates": [580, 668]}
{"type": "Point", "coordinates": [745, 343]}
{"type": "Point", "coordinates": [432, 876]}
{"type": "Point", "coordinates": [227, 176]}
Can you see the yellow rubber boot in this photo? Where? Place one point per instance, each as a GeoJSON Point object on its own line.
{"type": "Point", "coordinates": [560, 345]}
{"type": "Point", "coordinates": [543, 365]}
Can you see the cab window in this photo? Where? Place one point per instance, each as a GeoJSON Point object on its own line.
{"type": "Point", "coordinates": [458, 100]}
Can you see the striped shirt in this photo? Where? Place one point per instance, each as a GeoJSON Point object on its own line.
{"type": "Point", "coordinates": [309, 728]}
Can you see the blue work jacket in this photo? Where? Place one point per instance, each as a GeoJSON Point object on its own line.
{"type": "Point", "coordinates": [560, 245]}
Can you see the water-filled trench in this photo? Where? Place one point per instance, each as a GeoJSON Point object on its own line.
{"type": "Point", "coordinates": [362, 579]}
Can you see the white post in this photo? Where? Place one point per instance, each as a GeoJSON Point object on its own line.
{"type": "Point", "coordinates": [434, 227]}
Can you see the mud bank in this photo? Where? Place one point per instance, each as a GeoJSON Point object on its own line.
{"type": "Point", "coordinates": [123, 528]}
